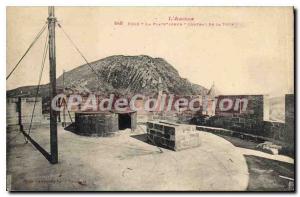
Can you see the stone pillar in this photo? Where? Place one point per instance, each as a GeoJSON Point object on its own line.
{"type": "Point", "coordinates": [289, 118]}
{"type": "Point", "coordinates": [266, 108]}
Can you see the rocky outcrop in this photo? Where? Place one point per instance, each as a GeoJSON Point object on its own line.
{"type": "Point", "coordinates": [125, 75]}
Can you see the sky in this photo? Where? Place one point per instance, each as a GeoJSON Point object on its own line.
{"type": "Point", "coordinates": [240, 50]}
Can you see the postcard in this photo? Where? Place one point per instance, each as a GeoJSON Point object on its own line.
{"type": "Point", "coordinates": [150, 99]}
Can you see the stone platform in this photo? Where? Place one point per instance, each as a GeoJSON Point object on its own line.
{"type": "Point", "coordinates": [172, 135]}
{"type": "Point", "coordinates": [123, 163]}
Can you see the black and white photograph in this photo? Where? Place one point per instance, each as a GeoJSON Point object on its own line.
{"type": "Point", "coordinates": [150, 98]}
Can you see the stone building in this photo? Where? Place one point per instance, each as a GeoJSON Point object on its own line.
{"type": "Point", "coordinates": [19, 112]}
{"type": "Point", "coordinates": [254, 120]}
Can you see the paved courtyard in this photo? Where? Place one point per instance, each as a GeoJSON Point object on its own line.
{"type": "Point", "coordinates": [123, 162]}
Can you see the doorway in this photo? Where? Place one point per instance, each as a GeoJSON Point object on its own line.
{"type": "Point", "coordinates": [124, 121]}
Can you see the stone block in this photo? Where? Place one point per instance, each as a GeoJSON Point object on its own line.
{"type": "Point", "coordinates": [149, 125]}
{"type": "Point", "coordinates": [269, 147]}
{"type": "Point", "coordinates": [173, 136]}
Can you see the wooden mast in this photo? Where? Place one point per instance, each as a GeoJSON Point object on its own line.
{"type": "Point", "coordinates": [52, 60]}
{"type": "Point", "coordinates": [63, 102]}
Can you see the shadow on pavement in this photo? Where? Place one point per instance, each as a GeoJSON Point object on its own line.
{"type": "Point", "coordinates": [37, 146]}
{"type": "Point", "coordinates": [141, 137]}
{"type": "Point", "coordinates": [269, 175]}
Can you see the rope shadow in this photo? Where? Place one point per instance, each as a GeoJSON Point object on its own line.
{"type": "Point", "coordinates": [37, 146]}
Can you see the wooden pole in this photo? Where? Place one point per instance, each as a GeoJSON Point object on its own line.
{"type": "Point", "coordinates": [52, 60]}
{"type": "Point", "coordinates": [64, 109]}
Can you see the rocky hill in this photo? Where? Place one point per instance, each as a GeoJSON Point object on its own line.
{"type": "Point", "coordinates": [124, 75]}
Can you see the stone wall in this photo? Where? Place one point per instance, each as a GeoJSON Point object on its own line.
{"type": "Point", "coordinates": [253, 108]}
{"type": "Point", "coordinates": [173, 136]}
{"type": "Point", "coordinates": [12, 111]}
{"type": "Point", "coordinates": [184, 117]}
{"type": "Point", "coordinates": [246, 114]}
{"type": "Point", "coordinates": [27, 105]}
{"type": "Point", "coordinates": [19, 112]}
{"type": "Point", "coordinates": [133, 117]}
{"type": "Point", "coordinates": [96, 124]}
{"type": "Point", "coordinates": [274, 130]}
{"type": "Point", "coordinates": [246, 125]}
{"type": "Point", "coordinates": [255, 120]}
{"type": "Point", "coordinates": [167, 116]}
{"type": "Point", "coordinates": [290, 117]}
